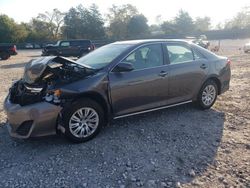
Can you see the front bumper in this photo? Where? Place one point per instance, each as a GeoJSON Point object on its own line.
{"type": "Point", "coordinates": [33, 120]}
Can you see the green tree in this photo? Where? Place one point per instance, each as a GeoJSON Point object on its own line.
{"type": "Point", "coordinates": [95, 23]}
{"type": "Point", "coordinates": [181, 25]}
{"type": "Point", "coordinates": [169, 27]}
{"type": "Point", "coordinates": [81, 22]}
{"type": "Point", "coordinates": [20, 33]}
{"type": "Point", "coordinates": [184, 23]}
{"type": "Point", "coordinates": [155, 30]}
{"type": "Point", "coordinates": [6, 30]}
{"type": "Point", "coordinates": [39, 31]}
{"type": "Point", "coordinates": [54, 21]}
{"type": "Point", "coordinates": [118, 18]}
{"type": "Point", "coordinates": [11, 31]}
{"type": "Point", "coordinates": [202, 24]}
{"type": "Point", "coordinates": [137, 26]}
{"type": "Point", "coordinates": [240, 21]}
{"type": "Point", "coordinates": [72, 22]}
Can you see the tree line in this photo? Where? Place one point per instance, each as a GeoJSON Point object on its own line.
{"type": "Point", "coordinates": [122, 22]}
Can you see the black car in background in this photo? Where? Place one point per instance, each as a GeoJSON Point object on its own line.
{"type": "Point", "coordinates": [7, 50]}
{"type": "Point", "coordinates": [67, 48]}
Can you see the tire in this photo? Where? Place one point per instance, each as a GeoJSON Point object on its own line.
{"type": "Point", "coordinates": [207, 95]}
{"type": "Point", "coordinates": [4, 56]}
{"type": "Point", "coordinates": [79, 128]}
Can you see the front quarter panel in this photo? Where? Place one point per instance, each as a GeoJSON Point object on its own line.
{"type": "Point", "coordinates": [97, 83]}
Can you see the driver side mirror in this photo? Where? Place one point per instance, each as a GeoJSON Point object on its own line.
{"type": "Point", "coordinates": [123, 67]}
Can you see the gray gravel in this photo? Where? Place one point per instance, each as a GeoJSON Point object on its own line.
{"type": "Point", "coordinates": [152, 150]}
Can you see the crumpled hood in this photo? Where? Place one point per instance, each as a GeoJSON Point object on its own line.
{"type": "Point", "coordinates": [35, 68]}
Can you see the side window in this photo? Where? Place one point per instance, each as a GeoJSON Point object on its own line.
{"type": "Point", "coordinates": [65, 44]}
{"type": "Point", "coordinates": [179, 54]}
{"type": "Point", "coordinates": [146, 57]}
{"type": "Point", "coordinates": [74, 43]}
{"type": "Point", "coordinates": [197, 55]}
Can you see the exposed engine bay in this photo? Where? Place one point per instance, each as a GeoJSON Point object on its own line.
{"type": "Point", "coordinates": [43, 77]}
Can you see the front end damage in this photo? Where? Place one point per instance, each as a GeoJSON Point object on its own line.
{"type": "Point", "coordinates": [35, 102]}
{"type": "Point", "coordinates": [38, 119]}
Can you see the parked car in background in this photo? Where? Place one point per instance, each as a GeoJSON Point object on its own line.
{"type": "Point", "coordinates": [115, 81]}
{"type": "Point", "coordinates": [7, 50]}
{"type": "Point", "coordinates": [247, 47]}
{"type": "Point", "coordinates": [36, 46]}
{"type": "Point", "coordinates": [75, 48]}
{"type": "Point", "coordinates": [202, 41]}
{"type": "Point", "coordinates": [29, 46]}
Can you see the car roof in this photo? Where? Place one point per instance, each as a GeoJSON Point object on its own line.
{"type": "Point", "coordinates": [144, 41]}
{"type": "Point", "coordinates": [205, 52]}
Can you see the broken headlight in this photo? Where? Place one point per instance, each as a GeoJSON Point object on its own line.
{"type": "Point", "coordinates": [53, 96]}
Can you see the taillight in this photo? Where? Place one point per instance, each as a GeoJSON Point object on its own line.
{"type": "Point", "coordinates": [13, 48]}
{"type": "Point", "coordinates": [228, 62]}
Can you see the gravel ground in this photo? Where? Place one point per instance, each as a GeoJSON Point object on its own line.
{"type": "Point", "coordinates": [177, 147]}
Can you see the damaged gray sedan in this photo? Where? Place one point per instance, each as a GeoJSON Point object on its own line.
{"type": "Point", "coordinates": [121, 79]}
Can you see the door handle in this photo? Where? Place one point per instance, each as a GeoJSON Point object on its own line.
{"type": "Point", "coordinates": [163, 73]}
{"type": "Point", "coordinates": [203, 66]}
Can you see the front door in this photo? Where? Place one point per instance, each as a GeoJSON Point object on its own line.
{"type": "Point", "coordinates": [143, 88]}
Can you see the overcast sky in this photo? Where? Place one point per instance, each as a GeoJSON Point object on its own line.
{"type": "Point", "coordinates": [218, 10]}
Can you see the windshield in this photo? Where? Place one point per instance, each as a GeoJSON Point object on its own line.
{"type": "Point", "coordinates": [103, 56]}
{"type": "Point", "coordinates": [57, 43]}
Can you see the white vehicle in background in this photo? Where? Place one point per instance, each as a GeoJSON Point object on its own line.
{"type": "Point", "coordinates": [247, 47]}
{"type": "Point", "coordinates": [28, 46]}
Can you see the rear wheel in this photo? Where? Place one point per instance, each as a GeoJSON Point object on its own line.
{"type": "Point", "coordinates": [208, 94]}
{"type": "Point", "coordinates": [83, 120]}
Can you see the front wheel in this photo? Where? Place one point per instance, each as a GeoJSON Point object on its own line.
{"type": "Point", "coordinates": [208, 94]}
{"type": "Point", "coordinates": [83, 120]}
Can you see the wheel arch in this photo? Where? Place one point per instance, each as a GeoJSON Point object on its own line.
{"type": "Point", "coordinates": [217, 81]}
{"type": "Point", "coordinates": [97, 97]}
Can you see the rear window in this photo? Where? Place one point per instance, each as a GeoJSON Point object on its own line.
{"type": "Point", "coordinates": [204, 52]}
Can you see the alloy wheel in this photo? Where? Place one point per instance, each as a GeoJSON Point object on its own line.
{"type": "Point", "coordinates": [83, 122]}
{"type": "Point", "coordinates": [208, 95]}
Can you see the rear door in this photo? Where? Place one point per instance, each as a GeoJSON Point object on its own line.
{"type": "Point", "coordinates": [143, 88]}
{"type": "Point", "coordinates": [188, 69]}
{"type": "Point", "coordinates": [75, 47]}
